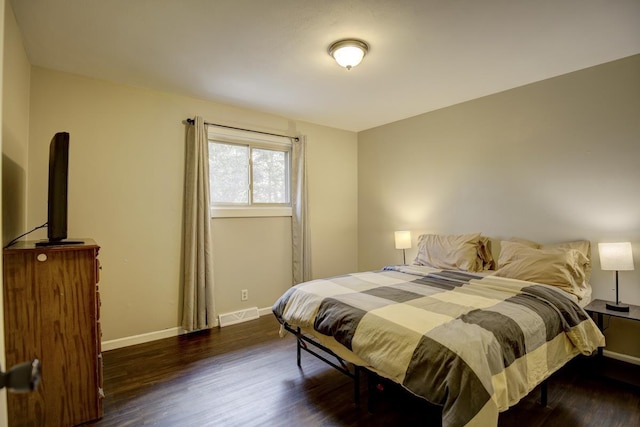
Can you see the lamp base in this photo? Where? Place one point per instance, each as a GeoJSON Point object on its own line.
{"type": "Point", "coordinates": [617, 307]}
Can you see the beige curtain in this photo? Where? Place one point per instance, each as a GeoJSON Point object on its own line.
{"type": "Point", "coordinates": [197, 292]}
{"type": "Point", "coordinates": [300, 222]}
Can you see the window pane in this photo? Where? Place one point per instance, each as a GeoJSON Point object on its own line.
{"type": "Point", "coordinates": [229, 173]}
{"type": "Point", "coordinates": [270, 176]}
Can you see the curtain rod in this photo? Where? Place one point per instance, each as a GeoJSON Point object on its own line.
{"type": "Point", "coordinates": [295, 138]}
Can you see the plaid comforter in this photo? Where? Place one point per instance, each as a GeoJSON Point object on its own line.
{"type": "Point", "coordinates": [472, 343]}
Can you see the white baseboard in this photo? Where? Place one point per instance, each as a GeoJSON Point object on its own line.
{"type": "Point", "coordinates": [142, 338]}
{"type": "Point", "coordinates": [265, 311]}
{"type": "Point", "coordinates": [235, 317]}
{"type": "Point", "coordinates": [158, 335]}
{"type": "Point", "coordinates": [623, 357]}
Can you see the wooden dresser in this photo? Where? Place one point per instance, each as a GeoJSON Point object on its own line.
{"type": "Point", "coordinates": [52, 312]}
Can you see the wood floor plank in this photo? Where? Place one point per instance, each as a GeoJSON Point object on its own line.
{"type": "Point", "coordinates": [246, 375]}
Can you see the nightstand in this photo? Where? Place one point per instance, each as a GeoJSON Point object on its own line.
{"type": "Point", "coordinates": [599, 308]}
{"type": "Point", "coordinates": [620, 371]}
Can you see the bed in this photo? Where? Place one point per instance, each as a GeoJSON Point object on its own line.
{"type": "Point", "coordinates": [472, 340]}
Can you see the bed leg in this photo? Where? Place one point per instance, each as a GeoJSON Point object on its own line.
{"type": "Point", "coordinates": [372, 391]}
{"type": "Point", "coordinates": [543, 393]}
{"type": "Point", "coordinates": [298, 348]}
{"type": "Point", "coordinates": [356, 386]}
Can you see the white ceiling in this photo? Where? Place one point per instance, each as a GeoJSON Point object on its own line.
{"type": "Point", "coordinates": [271, 55]}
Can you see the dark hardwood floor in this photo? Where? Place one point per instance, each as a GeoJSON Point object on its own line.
{"type": "Point", "coordinates": [246, 375]}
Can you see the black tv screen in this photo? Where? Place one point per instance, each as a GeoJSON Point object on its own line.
{"type": "Point", "coordinates": [57, 197]}
{"type": "Point", "coordinates": [58, 182]}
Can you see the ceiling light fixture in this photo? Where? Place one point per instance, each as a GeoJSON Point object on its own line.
{"type": "Point", "coordinates": [349, 52]}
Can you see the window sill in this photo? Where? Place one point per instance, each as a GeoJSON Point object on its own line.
{"type": "Point", "coordinates": [233, 212]}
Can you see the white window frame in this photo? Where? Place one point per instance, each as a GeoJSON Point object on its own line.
{"type": "Point", "coordinates": [253, 140]}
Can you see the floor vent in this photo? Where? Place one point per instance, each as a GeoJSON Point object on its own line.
{"type": "Point", "coordinates": [238, 316]}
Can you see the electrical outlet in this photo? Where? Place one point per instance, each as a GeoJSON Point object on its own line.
{"type": "Point", "coordinates": [244, 295]}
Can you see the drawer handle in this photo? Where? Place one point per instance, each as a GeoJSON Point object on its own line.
{"type": "Point", "coordinates": [42, 257]}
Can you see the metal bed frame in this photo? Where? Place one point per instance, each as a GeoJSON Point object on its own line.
{"type": "Point", "coordinates": [303, 342]}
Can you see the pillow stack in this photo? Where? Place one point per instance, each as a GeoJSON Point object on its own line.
{"type": "Point", "coordinates": [565, 265]}
{"type": "Point", "coordinates": [467, 252]}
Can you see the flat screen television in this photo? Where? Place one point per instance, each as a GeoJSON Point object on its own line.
{"type": "Point", "coordinates": [57, 192]}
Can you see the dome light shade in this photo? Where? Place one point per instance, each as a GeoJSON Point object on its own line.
{"type": "Point", "coordinates": [348, 53]}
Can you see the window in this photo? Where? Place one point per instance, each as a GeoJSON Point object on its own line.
{"type": "Point", "coordinates": [270, 176]}
{"type": "Point", "coordinates": [249, 176]}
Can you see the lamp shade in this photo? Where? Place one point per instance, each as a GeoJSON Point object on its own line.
{"type": "Point", "coordinates": [616, 256]}
{"type": "Point", "coordinates": [403, 239]}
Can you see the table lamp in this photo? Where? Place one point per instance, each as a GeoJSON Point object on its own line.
{"type": "Point", "coordinates": [616, 257]}
{"type": "Point", "coordinates": [403, 241]}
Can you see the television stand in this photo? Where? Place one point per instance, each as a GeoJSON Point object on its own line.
{"type": "Point", "coordinates": [58, 242]}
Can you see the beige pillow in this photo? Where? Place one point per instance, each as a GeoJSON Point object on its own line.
{"type": "Point", "coordinates": [557, 266]}
{"type": "Point", "coordinates": [452, 252]}
{"type": "Point", "coordinates": [584, 246]}
{"type": "Point", "coordinates": [529, 243]}
{"type": "Point", "coordinates": [485, 255]}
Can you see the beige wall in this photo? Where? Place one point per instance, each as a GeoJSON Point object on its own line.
{"type": "Point", "coordinates": [551, 161]}
{"type": "Point", "coordinates": [256, 256]}
{"type": "Point", "coordinates": [15, 130]}
{"type": "Point", "coordinates": [126, 186]}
